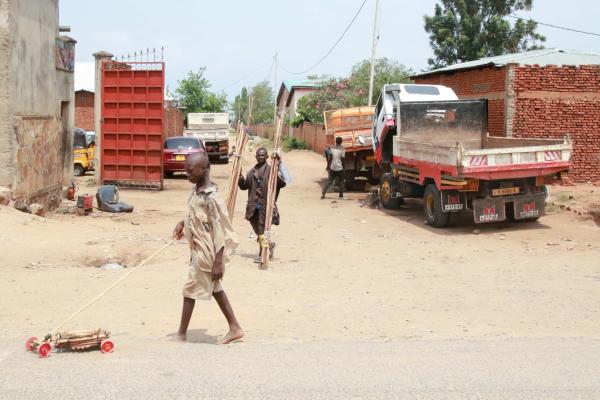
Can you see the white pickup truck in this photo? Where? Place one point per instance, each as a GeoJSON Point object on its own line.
{"type": "Point", "coordinates": [432, 145]}
{"type": "Point", "coordinates": [213, 130]}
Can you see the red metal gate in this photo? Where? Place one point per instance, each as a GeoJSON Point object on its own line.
{"type": "Point", "coordinates": [132, 124]}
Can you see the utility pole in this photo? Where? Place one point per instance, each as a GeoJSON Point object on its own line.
{"type": "Point", "coordinates": [275, 91]}
{"type": "Point", "coordinates": [373, 52]}
{"type": "Point", "coordinates": [250, 106]}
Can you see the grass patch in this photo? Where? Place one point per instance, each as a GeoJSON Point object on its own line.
{"type": "Point", "coordinates": [293, 143]}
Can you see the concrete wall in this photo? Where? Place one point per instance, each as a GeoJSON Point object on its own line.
{"type": "Point", "coordinates": [7, 169]}
{"type": "Point", "coordinates": [39, 114]}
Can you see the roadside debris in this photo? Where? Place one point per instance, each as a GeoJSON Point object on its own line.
{"type": "Point", "coordinates": [112, 267]}
{"type": "Point", "coordinates": [37, 209]}
{"type": "Point", "coordinates": [5, 195]}
{"type": "Point", "coordinates": [108, 200]}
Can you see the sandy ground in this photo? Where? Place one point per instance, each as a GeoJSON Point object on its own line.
{"type": "Point", "coordinates": [343, 274]}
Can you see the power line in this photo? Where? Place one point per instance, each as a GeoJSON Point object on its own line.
{"type": "Point", "coordinates": [555, 26]}
{"type": "Point", "coordinates": [253, 72]}
{"type": "Point", "coordinates": [332, 47]}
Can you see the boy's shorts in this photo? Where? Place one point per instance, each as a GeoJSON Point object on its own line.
{"type": "Point", "coordinates": [199, 284]}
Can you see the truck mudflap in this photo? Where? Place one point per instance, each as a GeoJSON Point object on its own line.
{"type": "Point", "coordinates": [489, 210]}
{"type": "Point", "coordinates": [530, 206]}
{"type": "Point", "coordinates": [493, 209]}
{"type": "Point", "coordinates": [452, 201]}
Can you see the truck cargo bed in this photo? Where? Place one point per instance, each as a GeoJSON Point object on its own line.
{"type": "Point", "coordinates": [492, 158]}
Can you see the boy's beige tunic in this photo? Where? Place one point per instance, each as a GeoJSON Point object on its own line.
{"type": "Point", "coordinates": [207, 229]}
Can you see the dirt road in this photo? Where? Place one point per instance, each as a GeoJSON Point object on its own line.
{"type": "Point", "coordinates": [343, 274]}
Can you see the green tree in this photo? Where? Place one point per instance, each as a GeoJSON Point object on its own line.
{"type": "Point", "coordinates": [329, 95]}
{"type": "Point", "coordinates": [240, 106]}
{"type": "Point", "coordinates": [465, 30]}
{"type": "Point", "coordinates": [386, 71]}
{"type": "Point", "coordinates": [194, 94]}
{"type": "Point", "coordinates": [352, 91]}
{"type": "Point", "coordinates": [263, 104]}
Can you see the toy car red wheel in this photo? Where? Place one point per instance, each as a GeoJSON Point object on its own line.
{"type": "Point", "coordinates": [107, 346]}
{"type": "Point", "coordinates": [44, 350]}
{"type": "Point", "coordinates": [29, 343]}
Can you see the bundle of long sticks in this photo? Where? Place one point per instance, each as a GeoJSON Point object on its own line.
{"type": "Point", "coordinates": [240, 146]}
{"type": "Point", "coordinates": [271, 195]}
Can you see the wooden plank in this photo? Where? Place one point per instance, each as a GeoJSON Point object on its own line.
{"type": "Point", "coordinates": [236, 169]}
{"type": "Point", "coordinates": [271, 194]}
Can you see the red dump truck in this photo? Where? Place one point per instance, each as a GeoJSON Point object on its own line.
{"type": "Point", "coordinates": [432, 145]}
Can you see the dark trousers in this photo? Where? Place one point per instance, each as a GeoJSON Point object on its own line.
{"type": "Point", "coordinates": [257, 227]}
{"type": "Point", "coordinates": [335, 176]}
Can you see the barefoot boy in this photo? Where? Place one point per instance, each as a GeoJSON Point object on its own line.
{"type": "Point", "coordinates": [211, 238]}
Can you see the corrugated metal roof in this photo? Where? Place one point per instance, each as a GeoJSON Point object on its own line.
{"type": "Point", "coordinates": [541, 57]}
{"type": "Point", "coordinates": [289, 84]}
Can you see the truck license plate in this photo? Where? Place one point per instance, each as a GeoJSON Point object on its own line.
{"type": "Point", "coordinates": [505, 191]}
{"type": "Point", "coordinates": [180, 157]}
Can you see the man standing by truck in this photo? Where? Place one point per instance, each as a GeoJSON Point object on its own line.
{"type": "Point", "coordinates": [335, 167]}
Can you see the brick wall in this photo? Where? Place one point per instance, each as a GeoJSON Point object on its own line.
{"type": "Point", "coordinates": [84, 110]}
{"type": "Point", "coordinates": [557, 101]}
{"type": "Point", "coordinates": [489, 83]}
{"type": "Point", "coordinates": [173, 122]}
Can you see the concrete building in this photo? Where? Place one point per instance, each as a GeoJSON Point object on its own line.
{"type": "Point", "coordinates": [292, 91]}
{"type": "Point", "coordinates": [541, 93]}
{"type": "Point", "coordinates": [289, 94]}
{"type": "Point", "coordinates": [36, 102]}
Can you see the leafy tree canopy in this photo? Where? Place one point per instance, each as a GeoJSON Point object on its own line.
{"type": "Point", "coordinates": [465, 30]}
{"type": "Point", "coordinates": [352, 91]}
{"type": "Point", "coordinates": [263, 104]}
{"type": "Point", "coordinates": [386, 71]}
{"type": "Point", "coordinates": [240, 106]}
{"type": "Point", "coordinates": [194, 94]}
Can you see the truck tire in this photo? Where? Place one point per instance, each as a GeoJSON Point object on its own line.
{"type": "Point", "coordinates": [432, 207]}
{"type": "Point", "coordinates": [387, 188]}
{"type": "Point", "coordinates": [78, 170]}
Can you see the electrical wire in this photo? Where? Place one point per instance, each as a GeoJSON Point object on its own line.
{"type": "Point", "coordinates": [555, 26]}
{"type": "Point", "coordinates": [330, 50]}
{"type": "Point", "coordinates": [253, 72]}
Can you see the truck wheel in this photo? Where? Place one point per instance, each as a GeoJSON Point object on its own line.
{"type": "Point", "coordinates": [387, 189]}
{"type": "Point", "coordinates": [78, 170]}
{"type": "Point", "coordinates": [432, 206]}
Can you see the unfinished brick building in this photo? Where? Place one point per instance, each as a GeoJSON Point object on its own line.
{"type": "Point", "coordinates": [541, 93]}
{"type": "Point", "coordinates": [84, 110]}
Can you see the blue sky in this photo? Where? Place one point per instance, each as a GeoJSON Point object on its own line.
{"type": "Point", "coordinates": [236, 39]}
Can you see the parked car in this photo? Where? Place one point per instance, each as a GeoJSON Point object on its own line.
{"type": "Point", "coordinates": [176, 149]}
